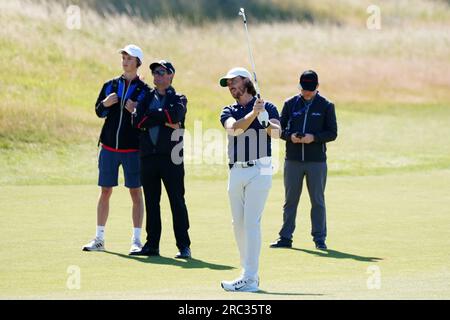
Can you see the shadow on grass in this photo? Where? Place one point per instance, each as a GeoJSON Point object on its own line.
{"type": "Point", "coordinates": [182, 263]}
{"type": "Point", "coordinates": [288, 293]}
{"type": "Point", "coordinates": [339, 255]}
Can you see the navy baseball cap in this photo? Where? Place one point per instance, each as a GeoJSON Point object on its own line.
{"type": "Point", "coordinates": [309, 80]}
{"type": "Point", "coordinates": [163, 63]}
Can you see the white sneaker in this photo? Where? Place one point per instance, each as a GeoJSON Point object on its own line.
{"type": "Point", "coordinates": [241, 285]}
{"type": "Point", "coordinates": [95, 245]}
{"type": "Point", "coordinates": [136, 245]}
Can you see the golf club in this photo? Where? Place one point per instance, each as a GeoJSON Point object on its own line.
{"type": "Point", "coordinates": [263, 117]}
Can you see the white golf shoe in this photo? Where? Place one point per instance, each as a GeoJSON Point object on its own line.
{"type": "Point", "coordinates": [136, 246]}
{"type": "Point", "coordinates": [95, 245]}
{"type": "Point", "coordinates": [241, 285]}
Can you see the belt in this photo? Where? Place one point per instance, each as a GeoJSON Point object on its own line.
{"type": "Point", "coordinates": [245, 164]}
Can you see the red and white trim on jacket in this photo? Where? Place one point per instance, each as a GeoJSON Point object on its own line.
{"type": "Point", "coordinates": [142, 121]}
{"type": "Point", "coordinates": [169, 118]}
{"type": "Point", "coordinates": [119, 150]}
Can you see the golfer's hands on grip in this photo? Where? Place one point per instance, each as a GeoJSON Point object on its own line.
{"type": "Point", "coordinates": [111, 100]}
{"type": "Point", "coordinates": [258, 107]}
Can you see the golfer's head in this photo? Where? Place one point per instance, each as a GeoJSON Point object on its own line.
{"type": "Point", "coordinates": [238, 81]}
{"type": "Point", "coordinates": [132, 57]}
{"type": "Point", "coordinates": [163, 72]}
{"type": "Point", "coordinates": [309, 83]}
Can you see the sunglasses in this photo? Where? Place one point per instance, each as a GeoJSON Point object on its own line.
{"type": "Point", "coordinates": [160, 72]}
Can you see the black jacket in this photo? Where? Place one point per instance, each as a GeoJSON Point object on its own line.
{"type": "Point", "coordinates": [173, 111]}
{"type": "Point", "coordinates": [117, 131]}
{"type": "Point", "coordinates": [319, 119]}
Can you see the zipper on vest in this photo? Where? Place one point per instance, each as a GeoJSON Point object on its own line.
{"type": "Point", "coordinates": [122, 105]}
{"type": "Point", "coordinates": [304, 128]}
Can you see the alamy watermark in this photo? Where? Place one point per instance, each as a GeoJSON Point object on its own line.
{"type": "Point", "coordinates": [374, 279]}
{"type": "Point", "coordinates": [74, 279]}
{"type": "Point", "coordinates": [73, 17]}
{"type": "Point", "coordinates": [374, 20]}
{"type": "Point", "coordinates": [215, 147]}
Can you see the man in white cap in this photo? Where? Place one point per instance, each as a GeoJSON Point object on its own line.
{"type": "Point", "coordinates": [120, 144]}
{"type": "Point", "coordinates": [250, 123]}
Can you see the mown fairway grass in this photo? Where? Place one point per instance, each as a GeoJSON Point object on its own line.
{"type": "Point", "coordinates": [397, 222]}
{"type": "Point", "coordinates": [389, 171]}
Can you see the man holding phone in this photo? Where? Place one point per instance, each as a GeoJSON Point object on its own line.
{"type": "Point", "coordinates": [308, 122]}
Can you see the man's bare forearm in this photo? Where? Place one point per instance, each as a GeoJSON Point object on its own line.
{"type": "Point", "coordinates": [238, 127]}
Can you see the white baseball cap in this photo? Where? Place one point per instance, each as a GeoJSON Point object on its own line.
{"type": "Point", "coordinates": [233, 73]}
{"type": "Point", "coordinates": [134, 51]}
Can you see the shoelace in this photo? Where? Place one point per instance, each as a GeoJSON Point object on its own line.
{"type": "Point", "coordinates": [239, 282]}
{"type": "Point", "coordinates": [96, 241]}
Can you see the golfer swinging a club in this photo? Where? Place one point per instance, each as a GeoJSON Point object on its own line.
{"type": "Point", "coordinates": [250, 177]}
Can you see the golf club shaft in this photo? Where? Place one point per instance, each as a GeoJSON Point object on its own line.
{"type": "Point", "coordinates": [252, 61]}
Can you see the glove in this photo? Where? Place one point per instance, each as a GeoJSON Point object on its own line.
{"type": "Point", "coordinates": [263, 119]}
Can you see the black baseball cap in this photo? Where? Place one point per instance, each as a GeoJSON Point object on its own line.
{"type": "Point", "coordinates": [163, 63]}
{"type": "Point", "coordinates": [309, 80]}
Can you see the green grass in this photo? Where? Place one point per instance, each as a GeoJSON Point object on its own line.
{"type": "Point", "coordinates": [373, 140]}
{"type": "Point", "coordinates": [388, 189]}
{"type": "Point", "coordinates": [397, 222]}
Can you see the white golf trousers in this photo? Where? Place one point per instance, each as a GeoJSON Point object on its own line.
{"type": "Point", "coordinates": [248, 189]}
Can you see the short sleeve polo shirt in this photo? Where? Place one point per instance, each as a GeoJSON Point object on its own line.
{"type": "Point", "coordinates": [254, 143]}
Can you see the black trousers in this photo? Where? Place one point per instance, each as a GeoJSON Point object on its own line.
{"type": "Point", "coordinates": [154, 169]}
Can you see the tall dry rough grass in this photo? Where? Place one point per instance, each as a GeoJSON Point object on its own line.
{"type": "Point", "coordinates": [51, 75]}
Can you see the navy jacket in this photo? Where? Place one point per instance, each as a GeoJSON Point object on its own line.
{"type": "Point", "coordinates": [173, 111]}
{"type": "Point", "coordinates": [117, 132]}
{"type": "Point", "coordinates": [319, 119]}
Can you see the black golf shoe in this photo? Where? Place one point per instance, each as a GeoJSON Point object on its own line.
{"type": "Point", "coordinates": [184, 253]}
{"type": "Point", "coordinates": [146, 251]}
{"type": "Point", "coordinates": [282, 243]}
{"type": "Point", "coordinates": [320, 245]}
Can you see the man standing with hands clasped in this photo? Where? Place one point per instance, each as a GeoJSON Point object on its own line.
{"type": "Point", "coordinates": [250, 178]}
{"type": "Point", "coordinates": [160, 117]}
{"type": "Point", "coordinates": [120, 144]}
{"type": "Point", "coordinates": [308, 122]}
